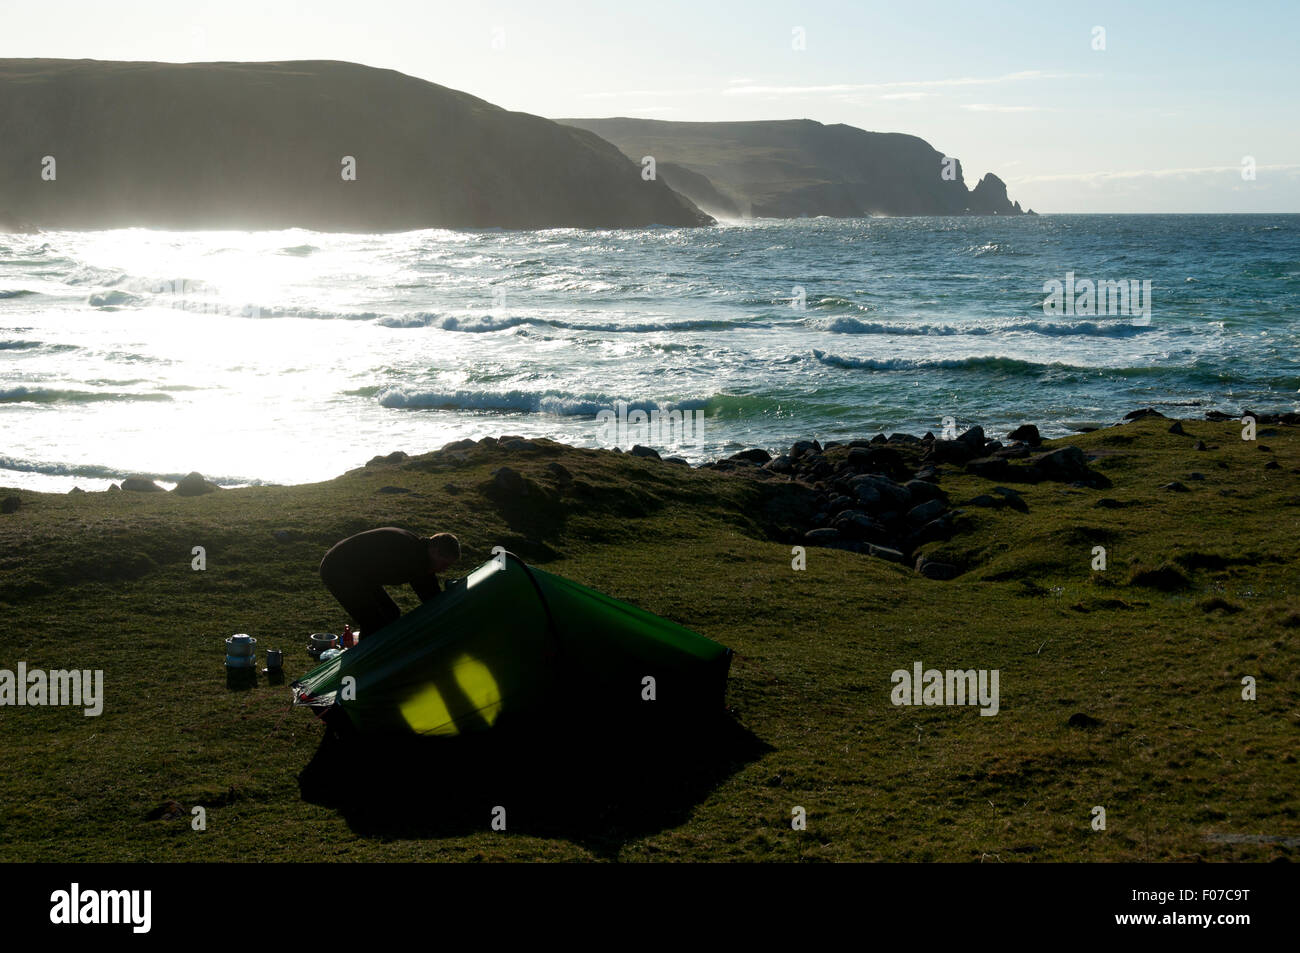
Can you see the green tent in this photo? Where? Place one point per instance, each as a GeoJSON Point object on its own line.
{"type": "Point", "coordinates": [511, 639]}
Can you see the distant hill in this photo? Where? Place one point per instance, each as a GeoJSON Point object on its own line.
{"type": "Point", "coordinates": [795, 167]}
{"type": "Point", "coordinates": [261, 145]}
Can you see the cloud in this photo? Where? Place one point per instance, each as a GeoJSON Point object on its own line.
{"type": "Point", "coordinates": [900, 84]}
{"type": "Point", "coordinates": [994, 108]}
{"type": "Point", "coordinates": [905, 95]}
{"type": "Point", "coordinates": [1099, 177]}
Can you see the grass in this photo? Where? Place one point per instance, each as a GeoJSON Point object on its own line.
{"type": "Point", "coordinates": [1200, 589]}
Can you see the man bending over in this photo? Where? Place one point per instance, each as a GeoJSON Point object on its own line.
{"type": "Point", "coordinates": [356, 570]}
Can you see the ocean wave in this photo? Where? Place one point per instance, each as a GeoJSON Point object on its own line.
{"type": "Point", "coordinates": [96, 471]}
{"type": "Point", "coordinates": [112, 299]}
{"type": "Point", "coordinates": [1198, 370]}
{"type": "Point", "coordinates": [18, 345]}
{"type": "Point", "coordinates": [15, 293]}
{"type": "Point", "coordinates": [489, 323]}
{"type": "Point", "coordinates": [1116, 329]}
{"type": "Point", "coordinates": [991, 249]}
{"type": "Point", "coordinates": [557, 404]}
{"type": "Point", "coordinates": [299, 251]}
{"type": "Point", "coordinates": [1009, 365]}
{"type": "Point", "coordinates": [48, 395]}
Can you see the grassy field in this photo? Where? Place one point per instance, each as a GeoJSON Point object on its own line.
{"type": "Point", "coordinates": [1200, 590]}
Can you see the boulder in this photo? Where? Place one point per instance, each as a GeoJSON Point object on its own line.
{"type": "Point", "coordinates": [782, 464]}
{"type": "Point", "coordinates": [755, 455]}
{"type": "Point", "coordinates": [561, 472]}
{"type": "Point", "coordinates": [822, 536]}
{"type": "Point", "coordinates": [990, 468]}
{"type": "Point", "coordinates": [193, 484]}
{"type": "Point", "coordinates": [803, 446]}
{"type": "Point", "coordinates": [1143, 414]}
{"type": "Point", "coordinates": [1176, 428]}
{"type": "Point", "coordinates": [925, 512]}
{"type": "Point", "coordinates": [935, 570]}
{"type": "Point", "coordinates": [885, 552]}
{"type": "Point", "coordinates": [924, 490]}
{"type": "Point", "coordinates": [10, 504]}
{"type": "Point", "coordinates": [649, 453]}
{"type": "Point", "coordinates": [141, 484]}
{"type": "Point", "coordinates": [509, 481]}
{"type": "Point", "coordinates": [879, 491]}
{"type": "Point", "coordinates": [1028, 433]}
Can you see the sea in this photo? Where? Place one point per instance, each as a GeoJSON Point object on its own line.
{"type": "Point", "coordinates": [289, 357]}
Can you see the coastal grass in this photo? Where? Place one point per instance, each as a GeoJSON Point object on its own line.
{"type": "Point", "coordinates": [1199, 591]}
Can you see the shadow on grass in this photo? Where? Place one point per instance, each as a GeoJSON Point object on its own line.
{"type": "Point", "coordinates": [595, 785]}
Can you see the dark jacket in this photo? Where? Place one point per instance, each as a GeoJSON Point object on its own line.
{"type": "Point", "coordinates": [382, 557]}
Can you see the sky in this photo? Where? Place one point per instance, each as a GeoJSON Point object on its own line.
{"type": "Point", "coordinates": [1079, 106]}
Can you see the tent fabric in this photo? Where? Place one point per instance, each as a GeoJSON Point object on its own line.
{"type": "Point", "coordinates": [511, 639]}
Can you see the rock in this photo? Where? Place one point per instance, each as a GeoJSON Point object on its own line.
{"type": "Point", "coordinates": [509, 480]}
{"type": "Point", "coordinates": [973, 438]}
{"type": "Point", "coordinates": [77, 489]}
{"type": "Point", "coordinates": [1272, 465]}
{"type": "Point", "coordinates": [928, 474]}
{"type": "Point", "coordinates": [1175, 487]}
{"type": "Point", "coordinates": [649, 453]}
{"type": "Point", "coordinates": [925, 512]}
{"type": "Point", "coordinates": [397, 456]}
{"type": "Point", "coordinates": [485, 442]}
{"type": "Point", "coordinates": [1199, 445]}
{"type": "Point", "coordinates": [458, 445]}
{"type": "Point", "coordinates": [10, 504]}
{"type": "Point", "coordinates": [990, 468]}
{"type": "Point", "coordinates": [141, 484]}
{"type": "Point", "coordinates": [885, 552]}
{"type": "Point", "coordinates": [877, 460]}
{"type": "Point", "coordinates": [1143, 414]}
{"type": "Point", "coordinates": [782, 464]}
{"type": "Point", "coordinates": [193, 484]}
{"type": "Point", "coordinates": [983, 500]}
{"type": "Point", "coordinates": [561, 472]}
{"type": "Point", "coordinates": [881, 491]}
{"type": "Point", "coordinates": [680, 461]}
{"type": "Point", "coordinates": [949, 451]}
{"type": "Point", "coordinates": [1218, 415]}
{"type": "Point", "coordinates": [923, 490]}
{"type": "Point", "coordinates": [112, 487]}
{"type": "Point", "coordinates": [1028, 433]}
{"type": "Point", "coordinates": [516, 444]}
{"type": "Point", "coordinates": [1177, 428]}
{"type": "Point", "coordinates": [1012, 499]}
{"type": "Point", "coordinates": [1080, 720]}
{"type": "Point", "coordinates": [856, 524]}
{"type": "Point", "coordinates": [393, 489]}
{"type": "Point", "coordinates": [755, 455]}
{"type": "Point", "coordinates": [903, 438]}
{"type": "Point", "coordinates": [804, 446]}
{"type": "Point", "coordinates": [822, 536]}
{"type": "Point", "coordinates": [1264, 449]}
{"type": "Point", "coordinates": [935, 570]}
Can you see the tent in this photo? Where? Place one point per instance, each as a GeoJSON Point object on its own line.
{"type": "Point", "coordinates": [510, 640]}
